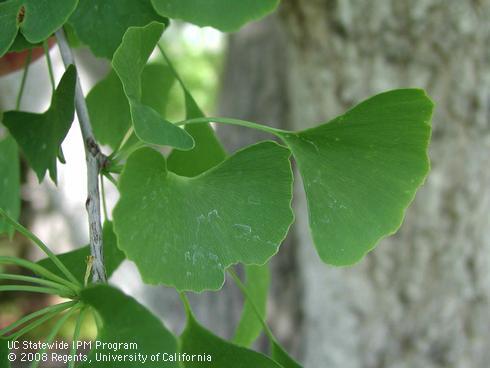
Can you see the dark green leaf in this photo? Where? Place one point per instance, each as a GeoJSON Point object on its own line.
{"type": "Point", "coordinates": [185, 232]}
{"type": "Point", "coordinates": [40, 135]}
{"type": "Point", "coordinates": [9, 181]}
{"type": "Point", "coordinates": [126, 321]}
{"type": "Point", "coordinates": [129, 61]}
{"type": "Point", "coordinates": [197, 340]}
{"type": "Point", "coordinates": [36, 19]}
{"type": "Point", "coordinates": [361, 171]}
{"type": "Point", "coordinates": [76, 260]}
{"type": "Point", "coordinates": [4, 351]}
{"type": "Point", "coordinates": [101, 24]}
{"type": "Point", "coordinates": [257, 284]}
{"type": "Point", "coordinates": [224, 15]}
{"type": "Point", "coordinates": [20, 44]}
{"type": "Point", "coordinates": [282, 357]}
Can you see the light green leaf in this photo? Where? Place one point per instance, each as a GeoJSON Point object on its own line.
{"type": "Point", "coordinates": [185, 232]}
{"type": "Point", "coordinates": [361, 171]}
{"type": "Point", "coordinates": [129, 61]}
{"type": "Point", "coordinates": [4, 351]}
{"type": "Point", "coordinates": [126, 321]}
{"type": "Point", "coordinates": [76, 260]}
{"type": "Point", "coordinates": [157, 80]}
{"type": "Point", "coordinates": [197, 340]}
{"type": "Point", "coordinates": [9, 181]}
{"type": "Point", "coordinates": [36, 19]}
{"type": "Point", "coordinates": [101, 24]}
{"type": "Point", "coordinates": [224, 15]}
{"type": "Point", "coordinates": [40, 135]}
{"type": "Point", "coordinates": [257, 284]}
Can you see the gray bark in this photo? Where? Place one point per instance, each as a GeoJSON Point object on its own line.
{"type": "Point", "coordinates": [421, 299]}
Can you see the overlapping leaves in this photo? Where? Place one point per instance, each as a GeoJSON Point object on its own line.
{"type": "Point", "coordinates": [39, 136]}
{"type": "Point", "coordinates": [185, 232]}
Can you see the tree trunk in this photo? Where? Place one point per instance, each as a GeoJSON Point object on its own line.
{"type": "Point", "coordinates": [422, 298]}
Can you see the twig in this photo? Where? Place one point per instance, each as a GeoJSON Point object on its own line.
{"type": "Point", "coordinates": [95, 161]}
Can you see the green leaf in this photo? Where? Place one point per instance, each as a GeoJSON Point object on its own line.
{"type": "Point", "coordinates": [197, 340]}
{"type": "Point", "coordinates": [126, 321]}
{"type": "Point", "coordinates": [40, 135]}
{"type": "Point", "coordinates": [185, 232]}
{"type": "Point", "coordinates": [21, 44]}
{"type": "Point", "coordinates": [361, 171]}
{"type": "Point", "coordinates": [224, 15]}
{"type": "Point", "coordinates": [157, 80]}
{"type": "Point", "coordinates": [129, 61]}
{"type": "Point", "coordinates": [281, 356]}
{"type": "Point", "coordinates": [36, 19]}
{"type": "Point", "coordinates": [257, 284]}
{"type": "Point", "coordinates": [4, 351]}
{"type": "Point", "coordinates": [76, 260]}
{"type": "Point", "coordinates": [101, 24]}
{"type": "Point", "coordinates": [9, 182]}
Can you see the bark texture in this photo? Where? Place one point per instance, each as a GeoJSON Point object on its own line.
{"type": "Point", "coordinates": [421, 299]}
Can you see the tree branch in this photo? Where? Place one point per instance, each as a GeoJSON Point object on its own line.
{"type": "Point", "coordinates": [95, 161]}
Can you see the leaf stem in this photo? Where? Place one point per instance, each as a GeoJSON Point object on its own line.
{"type": "Point", "coordinates": [24, 78]}
{"type": "Point", "coordinates": [76, 335]}
{"type": "Point", "coordinates": [21, 229]}
{"type": "Point", "coordinates": [50, 65]}
{"type": "Point", "coordinates": [95, 161]}
{"type": "Point", "coordinates": [41, 312]}
{"type": "Point", "coordinates": [229, 121]}
{"type": "Point", "coordinates": [40, 271]}
{"type": "Point", "coordinates": [36, 280]}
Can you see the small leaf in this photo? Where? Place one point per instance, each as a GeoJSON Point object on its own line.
{"type": "Point", "coordinates": [40, 135]}
{"type": "Point", "coordinates": [76, 260]}
{"type": "Point", "coordinates": [129, 61]}
{"type": "Point", "coordinates": [101, 24]}
{"type": "Point", "coordinates": [197, 340]}
{"type": "Point", "coordinates": [9, 182]}
{"type": "Point", "coordinates": [4, 351]}
{"type": "Point", "coordinates": [126, 321]}
{"type": "Point", "coordinates": [361, 171]}
{"type": "Point", "coordinates": [185, 232]}
{"type": "Point", "coordinates": [36, 19]}
{"type": "Point", "coordinates": [224, 15]}
{"type": "Point", "coordinates": [257, 284]}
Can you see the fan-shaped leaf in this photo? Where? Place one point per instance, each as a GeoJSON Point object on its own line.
{"type": "Point", "coordinates": [126, 321]}
{"type": "Point", "coordinates": [9, 182]}
{"type": "Point", "coordinates": [224, 15]}
{"type": "Point", "coordinates": [185, 232]}
{"type": "Point", "coordinates": [129, 61]}
{"type": "Point", "coordinates": [101, 24]}
{"type": "Point", "coordinates": [36, 19]}
{"type": "Point", "coordinates": [361, 171]}
{"type": "Point", "coordinates": [40, 135]}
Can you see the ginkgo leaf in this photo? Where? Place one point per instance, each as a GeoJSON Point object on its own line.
{"type": "Point", "coordinates": [101, 24]}
{"type": "Point", "coordinates": [40, 135]}
{"type": "Point", "coordinates": [36, 19]}
{"type": "Point", "coordinates": [257, 284]}
{"type": "Point", "coordinates": [281, 356]}
{"type": "Point", "coordinates": [185, 232]}
{"type": "Point", "coordinates": [222, 354]}
{"type": "Point", "coordinates": [129, 61]}
{"type": "Point", "coordinates": [76, 260]}
{"type": "Point", "coordinates": [9, 182]}
{"type": "Point", "coordinates": [124, 320]}
{"type": "Point", "coordinates": [224, 15]}
{"type": "Point", "coordinates": [361, 171]}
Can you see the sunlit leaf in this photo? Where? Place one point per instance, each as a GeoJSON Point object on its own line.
{"type": "Point", "coordinates": [185, 232]}
{"type": "Point", "coordinates": [257, 284]}
{"type": "Point", "coordinates": [197, 340]}
{"type": "Point", "coordinates": [124, 320]}
{"type": "Point", "coordinates": [40, 135]}
{"type": "Point", "coordinates": [129, 61]}
{"type": "Point", "coordinates": [36, 19]}
{"type": "Point", "coordinates": [101, 24]}
{"type": "Point", "coordinates": [361, 171]}
{"type": "Point", "coordinates": [224, 15]}
{"type": "Point", "coordinates": [9, 181]}
{"type": "Point", "coordinates": [76, 260]}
